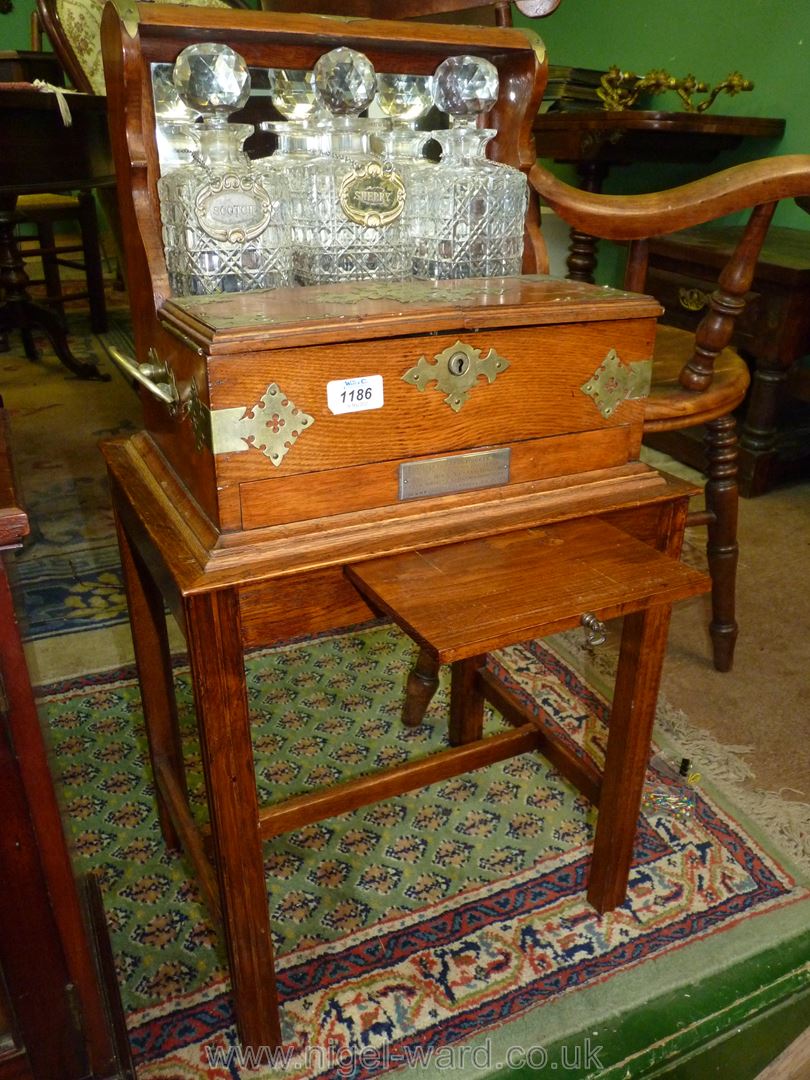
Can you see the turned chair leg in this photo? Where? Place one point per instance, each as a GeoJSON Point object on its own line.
{"type": "Point", "coordinates": [466, 696]}
{"type": "Point", "coordinates": [423, 680]}
{"type": "Point", "coordinates": [722, 499]}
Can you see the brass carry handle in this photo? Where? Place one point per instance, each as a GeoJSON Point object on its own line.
{"type": "Point", "coordinates": [156, 376]}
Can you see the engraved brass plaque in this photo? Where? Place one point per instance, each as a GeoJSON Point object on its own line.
{"type": "Point", "coordinates": [614, 382]}
{"type": "Point", "coordinates": [373, 195]}
{"type": "Point", "coordinates": [459, 472]}
{"type": "Point", "coordinates": [455, 371]}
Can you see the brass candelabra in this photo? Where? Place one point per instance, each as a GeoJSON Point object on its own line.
{"type": "Point", "coordinates": [620, 90]}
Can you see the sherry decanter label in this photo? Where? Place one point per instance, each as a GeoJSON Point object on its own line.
{"type": "Point", "coordinates": [372, 195]}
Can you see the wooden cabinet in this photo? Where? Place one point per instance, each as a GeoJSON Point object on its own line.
{"type": "Point", "coordinates": [773, 333]}
{"type": "Point", "coordinates": [56, 1009]}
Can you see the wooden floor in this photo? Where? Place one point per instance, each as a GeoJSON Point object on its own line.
{"type": "Point", "coordinates": [793, 1063]}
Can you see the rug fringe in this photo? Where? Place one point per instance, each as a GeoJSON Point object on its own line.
{"type": "Point", "coordinates": [721, 761]}
{"type": "Point", "coordinates": [785, 819]}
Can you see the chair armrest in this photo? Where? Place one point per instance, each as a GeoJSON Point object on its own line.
{"type": "Point", "coordinates": [632, 217]}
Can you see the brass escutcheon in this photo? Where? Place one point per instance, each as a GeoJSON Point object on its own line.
{"type": "Point", "coordinates": [614, 382]}
{"type": "Point", "coordinates": [458, 363]}
{"type": "Point", "coordinates": [455, 371]}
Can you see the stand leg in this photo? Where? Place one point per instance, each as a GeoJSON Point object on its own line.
{"type": "Point", "coordinates": [644, 640]}
{"type": "Point", "coordinates": [151, 645]}
{"type": "Point", "coordinates": [466, 701]}
{"type": "Point", "coordinates": [423, 681]}
{"type": "Point", "coordinates": [218, 677]}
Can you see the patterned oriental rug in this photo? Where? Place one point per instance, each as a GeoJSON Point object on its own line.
{"type": "Point", "coordinates": [68, 571]}
{"type": "Point", "coordinates": [450, 921]}
{"type": "Point", "coordinates": [443, 931]}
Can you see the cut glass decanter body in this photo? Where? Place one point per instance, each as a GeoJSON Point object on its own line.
{"type": "Point", "coordinates": [403, 147]}
{"type": "Point", "coordinates": [224, 223]}
{"type": "Point", "coordinates": [348, 201]}
{"type": "Point", "coordinates": [346, 225]}
{"type": "Point", "coordinates": [474, 209]}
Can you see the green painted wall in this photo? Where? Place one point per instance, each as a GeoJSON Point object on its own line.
{"type": "Point", "coordinates": [768, 41]}
{"type": "Point", "coordinates": [15, 27]}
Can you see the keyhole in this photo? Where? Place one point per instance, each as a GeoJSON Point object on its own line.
{"type": "Point", "coordinates": [458, 363]}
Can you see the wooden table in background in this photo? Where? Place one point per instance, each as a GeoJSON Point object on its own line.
{"type": "Point", "coordinates": [597, 140]}
{"type": "Point", "coordinates": [42, 155]}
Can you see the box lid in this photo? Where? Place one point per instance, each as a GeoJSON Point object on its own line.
{"type": "Point", "coordinates": [281, 318]}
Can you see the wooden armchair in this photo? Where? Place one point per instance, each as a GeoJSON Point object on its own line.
{"type": "Point", "coordinates": [697, 379]}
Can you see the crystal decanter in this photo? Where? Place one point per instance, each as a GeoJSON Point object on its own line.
{"type": "Point", "coordinates": [403, 100]}
{"type": "Point", "coordinates": [224, 224]}
{"type": "Point", "coordinates": [299, 136]}
{"type": "Point", "coordinates": [475, 208]}
{"type": "Point", "coordinates": [351, 200]}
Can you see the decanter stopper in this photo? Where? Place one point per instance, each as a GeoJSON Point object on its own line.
{"type": "Point", "coordinates": [345, 81]}
{"type": "Point", "coordinates": [293, 94]}
{"type": "Point", "coordinates": [212, 79]}
{"type": "Point", "coordinates": [464, 86]}
{"type": "Point", "coordinates": [404, 98]}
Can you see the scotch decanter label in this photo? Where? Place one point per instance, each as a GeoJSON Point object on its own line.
{"type": "Point", "coordinates": [372, 195]}
{"type": "Point", "coordinates": [233, 208]}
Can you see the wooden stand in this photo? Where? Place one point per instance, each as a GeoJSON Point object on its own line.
{"type": "Point", "coordinates": [578, 563]}
{"type": "Point", "coordinates": [499, 459]}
